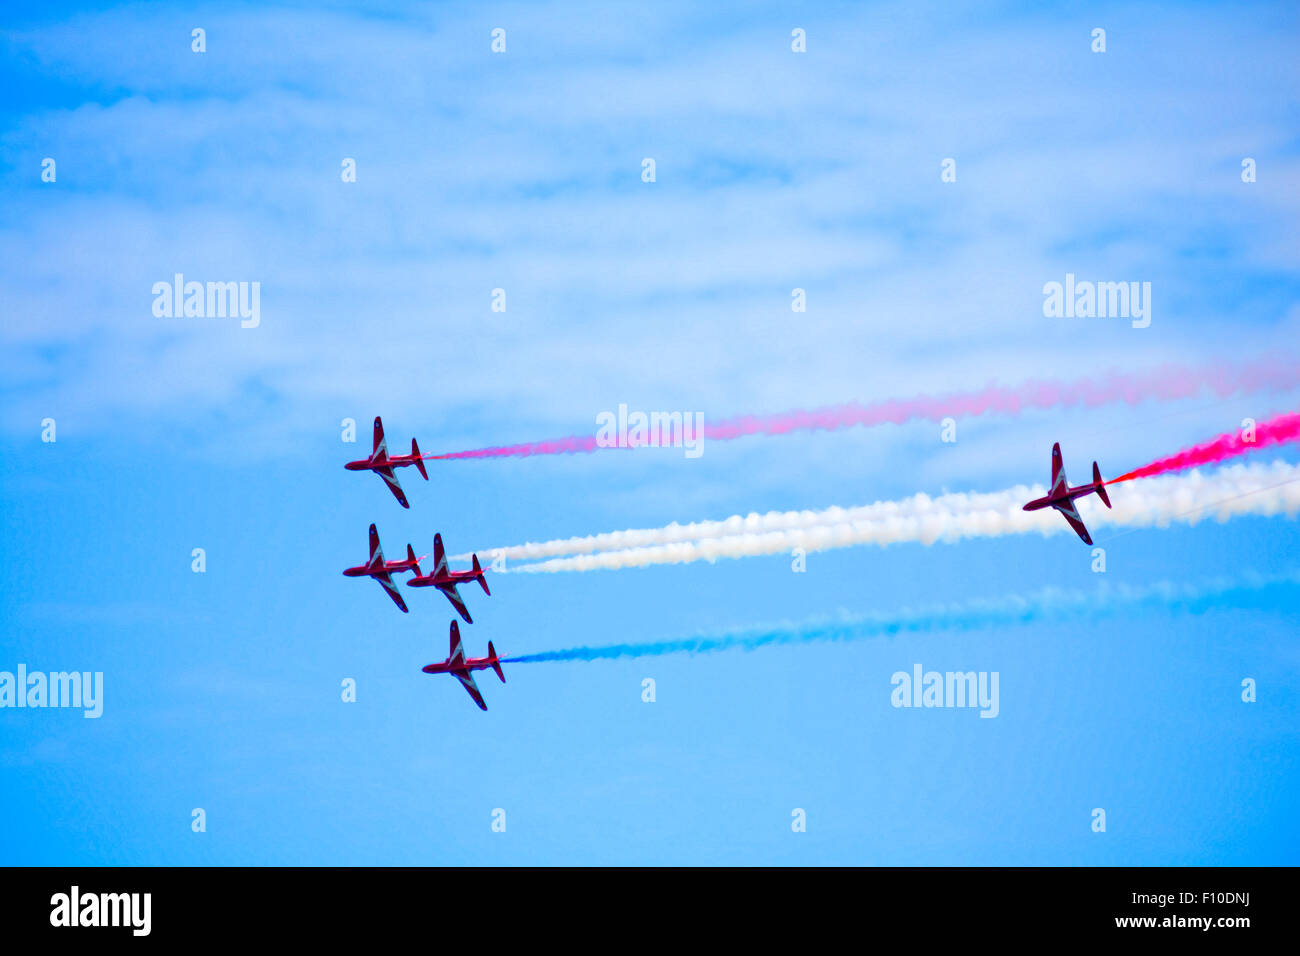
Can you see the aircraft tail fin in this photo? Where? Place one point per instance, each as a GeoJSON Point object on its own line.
{"type": "Point", "coordinates": [495, 662]}
{"type": "Point", "coordinates": [478, 572]}
{"type": "Point", "coordinates": [419, 462]}
{"type": "Point", "coordinates": [1099, 485]}
{"type": "Point", "coordinates": [415, 562]}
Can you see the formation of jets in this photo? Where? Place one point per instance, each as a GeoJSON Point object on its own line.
{"type": "Point", "coordinates": [441, 577]}
{"type": "Point", "coordinates": [1060, 497]}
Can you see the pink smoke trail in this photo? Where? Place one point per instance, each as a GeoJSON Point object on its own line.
{"type": "Point", "coordinates": [1167, 383]}
{"type": "Point", "coordinates": [1275, 431]}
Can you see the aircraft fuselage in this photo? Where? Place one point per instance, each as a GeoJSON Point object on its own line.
{"type": "Point", "coordinates": [390, 567]}
{"type": "Point", "coordinates": [368, 464]}
{"type": "Point", "coordinates": [443, 580]}
{"type": "Point", "coordinates": [1062, 498]}
{"type": "Point", "coordinates": [469, 664]}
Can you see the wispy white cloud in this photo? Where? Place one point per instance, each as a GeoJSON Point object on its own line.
{"type": "Point", "coordinates": [522, 171]}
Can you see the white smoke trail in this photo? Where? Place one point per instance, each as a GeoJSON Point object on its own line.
{"type": "Point", "coordinates": [1185, 498]}
{"type": "Point", "coordinates": [752, 523]}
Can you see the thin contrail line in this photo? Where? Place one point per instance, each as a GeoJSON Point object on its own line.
{"type": "Point", "coordinates": [1212, 504]}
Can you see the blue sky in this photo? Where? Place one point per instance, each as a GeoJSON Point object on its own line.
{"type": "Point", "coordinates": [522, 171]}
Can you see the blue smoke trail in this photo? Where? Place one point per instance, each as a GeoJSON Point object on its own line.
{"type": "Point", "coordinates": [1049, 604]}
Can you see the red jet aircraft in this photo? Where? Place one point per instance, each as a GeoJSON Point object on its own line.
{"type": "Point", "coordinates": [1062, 496]}
{"type": "Point", "coordinates": [383, 464]}
{"type": "Point", "coordinates": [446, 580]}
{"type": "Point", "coordinates": [383, 571]}
{"type": "Point", "coordinates": [462, 667]}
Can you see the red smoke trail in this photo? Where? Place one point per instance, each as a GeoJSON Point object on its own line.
{"type": "Point", "coordinates": [1167, 383]}
{"type": "Point", "coordinates": [1275, 431]}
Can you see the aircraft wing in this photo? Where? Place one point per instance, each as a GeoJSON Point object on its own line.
{"type": "Point", "coordinates": [457, 649]}
{"type": "Point", "coordinates": [454, 597]}
{"type": "Point", "coordinates": [1071, 515]}
{"type": "Point", "coordinates": [1058, 470]}
{"type": "Point", "coordinates": [386, 580]}
{"type": "Point", "coordinates": [439, 555]}
{"type": "Point", "coordinates": [467, 681]}
{"type": "Point", "coordinates": [390, 479]}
